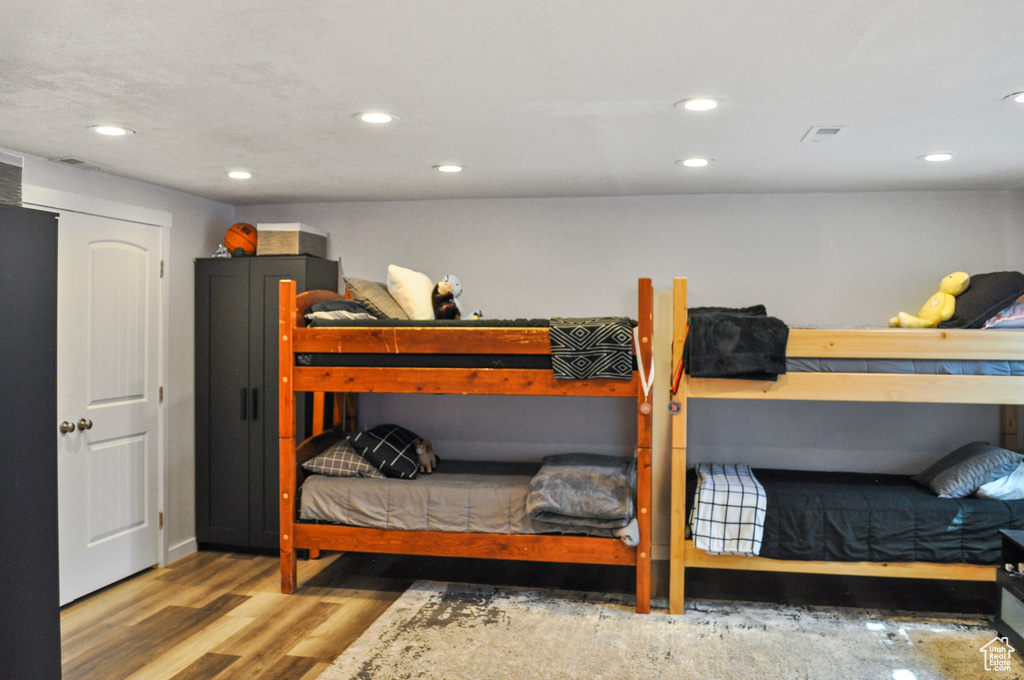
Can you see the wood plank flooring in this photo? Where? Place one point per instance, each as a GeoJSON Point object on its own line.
{"type": "Point", "coordinates": [221, 616]}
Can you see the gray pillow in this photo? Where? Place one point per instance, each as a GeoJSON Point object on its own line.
{"type": "Point", "coordinates": [323, 313]}
{"type": "Point", "coordinates": [341, 460]}
{"type": "Point", "coordinates": [965, 470]}
{"type": "Point", "coordinates": [374, 296]}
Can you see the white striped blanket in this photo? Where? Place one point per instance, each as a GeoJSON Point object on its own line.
{"type": "Point", "coordinates": [728, 510]}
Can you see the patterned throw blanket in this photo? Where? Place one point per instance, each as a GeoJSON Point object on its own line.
{"type": "Point", "coordinates": [588, 348]}
{"type": "Point", "coordinates": [728, 510]}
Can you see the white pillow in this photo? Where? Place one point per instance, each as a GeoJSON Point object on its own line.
{"type": "Point", "coordinates": [1008, 488]}
{"type": "Point", "coordinates": [411, 291]}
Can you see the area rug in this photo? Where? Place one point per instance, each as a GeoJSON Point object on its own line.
{"type": "Point", "coordinates": [460, 631]}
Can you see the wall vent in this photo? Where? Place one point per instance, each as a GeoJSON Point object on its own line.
{"type": "Point", "coordinates": [824, 133]}
{"type": "Point", "coordinates": [10, 178]}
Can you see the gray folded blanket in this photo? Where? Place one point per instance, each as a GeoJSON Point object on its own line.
{"type": "Point", "coordinates": [583, 490]}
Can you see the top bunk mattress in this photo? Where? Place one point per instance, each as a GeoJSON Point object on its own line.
{"type": "Point", "coordinates": [581, 347]}
{"type": "Point", "coordinates": [915, 366]}
{"type": "Point", "coordinates": [357, 359]}
{"type": "Point", "coordinates": [429, 323]}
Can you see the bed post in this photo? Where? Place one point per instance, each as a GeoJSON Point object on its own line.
{"type": "Point", "coordinates": [286, 315]}
{"type": "Point", "coordinates": [319, 424]}
{"type": "Point", "coordinates": [1008, 429]}
{"type": "Point", "coordinates": [677, 561]}
{"type": "Point", "coordinates": [345, 411]}
{"type": "Point", "coordinates": [645, 328]}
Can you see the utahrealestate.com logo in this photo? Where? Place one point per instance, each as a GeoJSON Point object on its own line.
{"type": "Point", "coordinates": [997, 654]}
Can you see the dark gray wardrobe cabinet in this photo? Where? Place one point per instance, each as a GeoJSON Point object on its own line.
{"type": "Point", "coordinates": [30, 606]}
{"type": "Point", "coordinates": [236, 393]}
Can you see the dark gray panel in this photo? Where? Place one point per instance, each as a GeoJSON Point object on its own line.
{"type": "Point", "coordinates": [30, 648]}
{"type": "Point", "coordinates": [222, 421]}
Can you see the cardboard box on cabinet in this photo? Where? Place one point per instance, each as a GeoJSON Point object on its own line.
{"type": "Point", "coordinates": [290, 238]}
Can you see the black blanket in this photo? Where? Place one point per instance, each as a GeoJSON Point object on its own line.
{"type": "Point", "coordinates": [735, 343]}
{"type": "Point", "coordinates": [853, 517]}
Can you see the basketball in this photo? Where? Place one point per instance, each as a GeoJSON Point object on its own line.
{"type": "Point", "coordinates": [241, 239]}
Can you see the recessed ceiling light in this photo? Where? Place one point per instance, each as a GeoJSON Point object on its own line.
{"type": "Point", "coordinates": [112, 130]}
{"type": "Point", "coordinates": [936, 157]}
{"type": "Point", "coordinates": [695, 162]}
{"type": "Point", "coordinates": [1016, 97]}
{"type": "Point", "coordinates": [375, 117]}
{"type": "Point", "coordinates": [240, 174]}
{"type": "Point", "coordinates": [448, 168]}
{"type": "Point", "coordinates": [698, 104]}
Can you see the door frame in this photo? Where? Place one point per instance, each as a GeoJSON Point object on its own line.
{"type": "Point", "coordinates": [54, 200]}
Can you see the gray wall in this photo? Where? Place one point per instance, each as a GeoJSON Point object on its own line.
{"type": "Point", "coordinates": [813, 259]}
{"type": "Point", "coordinates": [840, 259]}
{"type": "Point", "coordinates": [849, 259]}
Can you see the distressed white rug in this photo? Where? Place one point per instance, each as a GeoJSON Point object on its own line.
{"type": "Point", "coordinates": [455, 631]}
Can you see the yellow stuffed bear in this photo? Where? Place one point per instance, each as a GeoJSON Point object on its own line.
{"type": "Point", "coordinates": [939, 306]}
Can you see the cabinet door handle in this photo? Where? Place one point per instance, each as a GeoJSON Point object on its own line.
{"type": "Point", "coordinates": [255, 402]}
{"type": "Point", "coordinates": [245, 404]}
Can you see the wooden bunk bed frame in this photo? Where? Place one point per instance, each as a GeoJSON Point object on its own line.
{"type": "Point", "coordinates": [295, 337]}
{"type": "Point", "coordinates": [872, 387]}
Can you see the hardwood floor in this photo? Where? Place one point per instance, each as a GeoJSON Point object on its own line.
{"type": "Point", "coordinates": [221, 616]}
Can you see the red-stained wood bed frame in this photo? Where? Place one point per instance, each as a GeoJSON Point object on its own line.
{"type": "Point", "coordinates": [295, 337]}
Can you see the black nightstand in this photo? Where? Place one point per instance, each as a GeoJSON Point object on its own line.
{"type": "Point", "coordinates": [1009, 619]}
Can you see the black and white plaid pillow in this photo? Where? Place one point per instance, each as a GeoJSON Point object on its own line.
{"type": "Point", "coordinates": [389, 448]}
{"type": "Point", "coordinates": [341, 460]}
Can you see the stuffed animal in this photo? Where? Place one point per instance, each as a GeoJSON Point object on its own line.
{"type": "Point", "coordinates": [425, 452]}
{"type": "Point", "coordinates": [456, 285]}
{"type": "Point", "coordinates": [443, 300]}
{"type": "Point", "coordinates": [456, 292]}
{"type": "Point", "coordinates": [939, 307]}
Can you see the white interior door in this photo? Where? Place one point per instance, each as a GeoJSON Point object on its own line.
{"type": "Point", "coordinates": [108, 374]}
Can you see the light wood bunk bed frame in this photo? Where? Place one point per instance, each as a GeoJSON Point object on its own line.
{"type": "Point", "coordinates": [296, 338]}
{"type": "Point", "coordinates": [867, 387]}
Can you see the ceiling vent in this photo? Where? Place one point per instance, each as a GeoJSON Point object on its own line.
{"type": "Point", "coordinates": [824, 133]}
{"type": "Point", "coordinates": [77, 162]}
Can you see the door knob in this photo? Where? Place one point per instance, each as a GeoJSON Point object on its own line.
{"type": "Point", "coordinates": [84, 424]}
{"type": "Point", "coordinates": [66, 427]}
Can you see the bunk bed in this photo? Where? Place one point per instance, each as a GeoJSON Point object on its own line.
{"type": "Point", "coordinates": [487, 347]}
{"type": "Point", "coordinates": [887, 344]}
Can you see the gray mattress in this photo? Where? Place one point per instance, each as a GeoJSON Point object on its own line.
{"type": "Point", "coordinates": [462, 496]}
{"type": "Point", "coordinates": [923, 366]}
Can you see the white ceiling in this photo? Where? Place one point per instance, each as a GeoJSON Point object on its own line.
{"type": "Point", "coordinates": [535, 98]}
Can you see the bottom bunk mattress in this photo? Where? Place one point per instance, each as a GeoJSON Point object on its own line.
{"type": "Point", "coordinates": [460, 496]}
{"type": "Point", "coordinates": [857, 517]}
